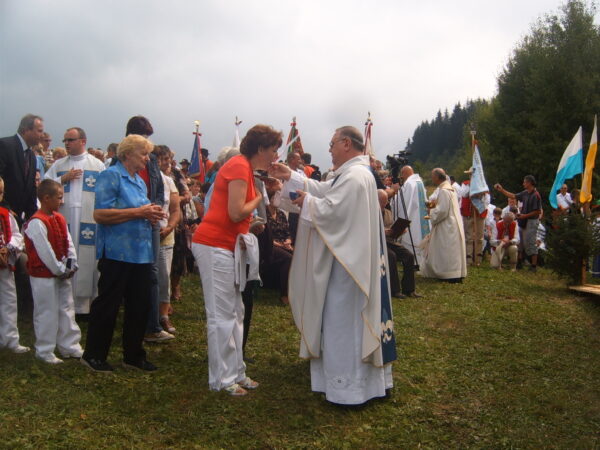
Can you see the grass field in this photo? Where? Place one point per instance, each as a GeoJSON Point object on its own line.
{"type": "Point", "coordinates": [503, 360]}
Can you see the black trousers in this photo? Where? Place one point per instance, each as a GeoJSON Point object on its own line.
{"type": "Point", "coordinates": [293, 219]}
{"type": "Point", "coordinates": [248, 295]}
{"type": "Point", "coordinates": [276, 272]}
{"type": "Point", "coordinates": [119, 281]}
{"type": "Point", "coordinates": [398, 253]}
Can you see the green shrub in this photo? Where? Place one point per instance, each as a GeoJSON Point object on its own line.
{"type": "Point", "coordinates": [571, 242]}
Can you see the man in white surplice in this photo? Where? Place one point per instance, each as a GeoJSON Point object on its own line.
{"type": "Point", "coordinates": [77, 173]}
{"type": "Point", "coordinates": [336, 290]}
{"type": "Point", "coordinates": [444, 251]}
{"type": "Point", "coordinates": [415, 197]}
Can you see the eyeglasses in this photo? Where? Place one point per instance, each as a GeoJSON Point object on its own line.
{"type": "Point", "coordinates": [332, 143]}
{"type": "Point", "coordinates": [65, 140]}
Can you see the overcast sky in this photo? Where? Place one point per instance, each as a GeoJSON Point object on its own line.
{"type": "Point", "coordinates": [94, 64]}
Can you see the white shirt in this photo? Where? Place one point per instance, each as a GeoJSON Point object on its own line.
{"type": "Point", "coordinates": [495, 241]}
{"type": "Point", "coordinates": [38, 233]}
{"type": "Point", "coordinates": [564, 201]}
{"type": "Point", "coordinates": [23, 143]}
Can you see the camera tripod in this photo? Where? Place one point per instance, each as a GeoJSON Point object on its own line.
{"type": "Point", "coordinates": [403, 202]}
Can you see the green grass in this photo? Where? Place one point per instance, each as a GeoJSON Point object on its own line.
{"type": "Point", "coordinates": [503, 360]}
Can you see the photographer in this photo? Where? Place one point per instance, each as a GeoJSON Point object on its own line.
{"type": "Point", "coordinates": [397, 252]}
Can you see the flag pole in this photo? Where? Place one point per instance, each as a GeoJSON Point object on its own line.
{"type": "Point", "coordinates": [368, 124]}
{"type": "Point", "coordinates": [196, 153]}
{"type": "Point", "coordinates": [236, 132]}
{"type": "Point", "coordinates": [473, 209]}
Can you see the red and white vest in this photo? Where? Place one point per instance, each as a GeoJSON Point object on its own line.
{"type": "Point", "coordinates": [500, 228]}
{"type": "Point", "coordinates": [5, 230]}
{"type": "Point", "coordinates": [466, 207]}
{"type": "Point", "coordinates": [59, 241]}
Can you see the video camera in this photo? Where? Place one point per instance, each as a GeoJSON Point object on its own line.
{"type": "Point", "coordinates": [397, 162]}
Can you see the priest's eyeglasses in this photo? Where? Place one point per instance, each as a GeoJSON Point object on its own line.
{"type": "Point", "coordinates": [332, 143]}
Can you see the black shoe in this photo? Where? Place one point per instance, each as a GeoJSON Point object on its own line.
{"type": "Point", "coordinates": [399, 295]}
{"type": "Point", "coordinates": [96, 365]}
{"type": "Point", "coordinates": [533, 269]}
{"type": "Point", "coordinates": [142, 365]}
{"type": "Point", "coordinates": [414, 295]}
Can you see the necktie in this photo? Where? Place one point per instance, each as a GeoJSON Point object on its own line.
{"type": "Point", "coordinates": [27, 157]}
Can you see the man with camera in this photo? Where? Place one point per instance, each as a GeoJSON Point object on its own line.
{"type": "Point", "coordinates": [397, 252]}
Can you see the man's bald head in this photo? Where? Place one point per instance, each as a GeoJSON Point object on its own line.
{"type": "Point", "coordinates": [382, 197]}
{"type": "Point", "coordinates": [438, 176]}
{"type": "Point", "coordinates": [406, 172]}
{"type": "Point", "coordinates": [294, 160]}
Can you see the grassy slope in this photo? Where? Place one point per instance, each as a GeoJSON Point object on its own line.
{"type": "Point", "coordinates": [504, 360]}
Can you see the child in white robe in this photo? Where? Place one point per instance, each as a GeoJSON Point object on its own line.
{"type": "Point", "coordinates": [51, 264]}
{"type": "Point", "coordinates": [11, 244]}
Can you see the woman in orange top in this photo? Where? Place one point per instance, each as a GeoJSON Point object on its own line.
{"type": "Point", "coordinates": [233, 202]}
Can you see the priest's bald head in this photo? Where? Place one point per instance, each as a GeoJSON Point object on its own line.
{"type": "Point", "coordinates": [406, 172]}
{"type": "Point", "coordinates": [438, 176]}
{"type": "Point", "coordinates": [346, 143]}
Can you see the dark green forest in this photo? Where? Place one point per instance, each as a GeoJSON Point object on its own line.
{"type": "Point", "coordinates": [549, 86]}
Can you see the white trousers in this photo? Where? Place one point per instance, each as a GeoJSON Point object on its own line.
{"type": "Point", "coordinates": [165, 258]}
{"type": "Point", "coordinates": [224, 316]}
{"type": "Point", "coordinates": [54, 317]}
{"type": "Point", "coordinates": [9, 334]}
{"type": "Point", "coordinates": [340, 372]}
{"type": "Point", "coordinates": [512, 251]}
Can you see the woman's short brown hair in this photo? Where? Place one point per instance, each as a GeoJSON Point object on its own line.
{"type": "Point", "coordinates": [161, 150]}
{"type": "Point", "coordinates": [264, 136]}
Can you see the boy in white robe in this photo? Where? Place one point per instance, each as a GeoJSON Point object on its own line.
{"type": "Point", "coordinates": [11, 245]}
{"type": "Point", "coordinates": [338, 288]}
{"type": "Point", "coordinates": [51, 263]}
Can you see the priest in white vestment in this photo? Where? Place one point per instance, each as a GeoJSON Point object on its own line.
{"type": "Point", "coordinates": [413, 191]}
{"type": "Point", "coordinates": [77, 173]}
{"type": "Point", "coordinates": [444, 250]}
{"type": "Point", "coordinates": [339, 291]}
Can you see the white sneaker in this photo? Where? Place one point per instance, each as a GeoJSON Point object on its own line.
{"type": "Point", "coordinates": [50, 359]}
{"type": "Point", "coordinates": [19, 349]}
{"type": "Point", "coordinates": [161, 336]}
{"type": "Point", "coordinates": [75, 355]}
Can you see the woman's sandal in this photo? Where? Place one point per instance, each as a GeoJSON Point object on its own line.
{"type": "Point", "coordinates": [236, 390]}
{"type": "Point", "coordinates": [249, 383]}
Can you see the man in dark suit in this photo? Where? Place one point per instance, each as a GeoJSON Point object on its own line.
{"type": "Point", "coordinates": [18, 164]}
{"type": "Point", "coordinates": [17, 168]}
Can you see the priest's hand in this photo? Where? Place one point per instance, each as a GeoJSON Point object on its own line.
{"type": "Point", "coordinates": [300, 199]}
{"type": "Point", "coordinates": [280, 171]}
{"type": "Point", "coordinates": [72, 174]}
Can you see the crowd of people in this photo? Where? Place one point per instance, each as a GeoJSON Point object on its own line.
{"type": "Point", "coordinates": [90, 231]}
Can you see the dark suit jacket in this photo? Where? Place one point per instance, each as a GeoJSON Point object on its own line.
{"type": "Point", "coordinates": [19, 190]}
